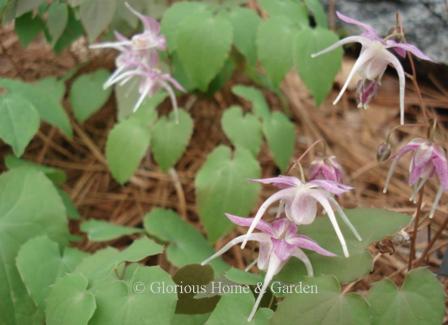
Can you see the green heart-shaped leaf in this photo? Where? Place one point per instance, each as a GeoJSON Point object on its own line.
{"type": "Point", "coordinates": [170, 138]}
{"type": "Point", "coordinates": [222, 186]}
{"type": "Point", "coordinates": [243, 131]}
{"type": "Point", "coordinates": [420, 300]}
{"type": "Point", "coordinates": [19, 122]}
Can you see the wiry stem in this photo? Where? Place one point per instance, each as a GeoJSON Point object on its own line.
{"type": "Point", "coordinates": [297, 161]}
{"type": "Point", "coordinates": [431, 243]}
{"type": "Point", "coordinates": [414, 233]}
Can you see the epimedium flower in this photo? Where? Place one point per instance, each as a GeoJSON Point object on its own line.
{"type": "Point", "coordinates": [300, 202]}
{"type": "Point", "coordinates": [149, 39]}
{"type": "Point", "coordinates": [278, 242]}
{"type": "Point", "coordinates": [372, 62]}
{"type": "Point", "coordinates": [325, 168]}
{"type": "Point", "coordinates": [153, 79]}
{"type": "Point", "coordinates": [428, 159]}
{"type": "Point", "coordinates": [139, 58]}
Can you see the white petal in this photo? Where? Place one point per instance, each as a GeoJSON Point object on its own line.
{"type": "Point", "coordinates": [392, 59]}
{"type": "Point", "coordinates": [302, 256]}
{"type": "Point", "coordinates": [417, 188]}
{"type": "Point", "coordinates": [436, 202]}
{"type": "Point", "coordinates": [329, 210]}
{"type": "Point", "coordinates": [122, 76]}
{"type": "Point", "coordinates": [252, 264]}
{"type": "Point", "coordinates": [114, 45]}
{"type": "Point", "coordinates": [351, 39]}
{"type": "Point", "coordinates": [258, 237]}
{"type": "Point", "coordinates": [274, 266]}
{"type": "Point", "coordinates": [142, 97]}
{"type": "Point", "coordinates": [280, 195]}
{"type": "Point", "coordinates": [172, 95]}
{"type": "Point", "coordinates": [345, 218]}
{"type": "Point", "coordinates": [365, 56]}
{"type": "Point", "coordinates": [109, 82]}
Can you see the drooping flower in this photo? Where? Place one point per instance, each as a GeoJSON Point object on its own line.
{"type": "Point", "coordinates": [300, 202]}
{"type": "Point", "coordinates": [373, 61]}
{"type": "Point", "coordinates": [149, 39]}
{"type": "Point", "coordinates": [139, 58]}
{"type": "Point", "coordinates": [428, 159]}
{"type": "Point", "coordinates": [326, 168]}
{"type": "Point", "coordinates": [278, 242]}
{"type": "Point", "coordinates": [151, 80]}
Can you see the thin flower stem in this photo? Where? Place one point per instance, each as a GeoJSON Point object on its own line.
{"type": "Point", "coordinates": [431, 244]}
{"type": "Point", "coordinates": [414, 233]}
{"type": "Point", "coordinates": [297, 161]}
{"type": "Point", "coordinates": [401, 126]}
{"type": "Point", "coordinates": [428, 238]}
{"type": "Point", "coordinates": [271, 301]}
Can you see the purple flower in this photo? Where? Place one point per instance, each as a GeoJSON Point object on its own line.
{"type": "Point", "coordinates": [373, 61]}
{"type": "Point", "coordinates": [326, 168]}
{"type": "Point", "coordinates": [152, 79]}
{"type": "Point", "coordinates": [139, 58]}
{"type": "Point", "coordinates": [278, 242]}
{"type": "Point", "coordinates": [428, 159]}
{"type": "Point", "coordinates": [300, 202]}
{"type": "Point", "coordinates": [149, 39]}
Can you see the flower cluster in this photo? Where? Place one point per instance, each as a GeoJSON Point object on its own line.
{"type": "Point", "coordinates": [428, 159]}
{"type": "Point", "coordinates": [372, 62]}
{"type": "Point", "coordinates": [299, 202]}
{"type": "Point", "coordinates": [139, 58]}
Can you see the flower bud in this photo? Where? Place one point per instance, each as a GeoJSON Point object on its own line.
{"type": "Point", "coordinates": [383, 152]}
{"type": "Point", "coordinates": [325, 168]}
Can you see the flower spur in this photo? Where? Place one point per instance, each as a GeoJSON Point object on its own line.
{"type": "Point", "coordinates": [373, 61]}
{"type": "Point", "coordinates": [300, 201]}
{"type": "Point", "coordinates": [278, 242]}
{"type": "Point", "coordinates": [429, 159]}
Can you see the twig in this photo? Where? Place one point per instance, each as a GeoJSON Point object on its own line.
{"type": "Point", "coordinates": [349, 287]}
{"type": "Point", "coordinates": [179, 192]}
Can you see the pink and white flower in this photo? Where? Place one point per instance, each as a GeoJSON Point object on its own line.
{"type": "Point", "coordinates": [300, 202]}
{"type": "Point", "coordinates": [326, 168]}
{"type": "Point", "coordinates": [278, 242]}
{"type": "Point", "coordinates": [149, 39]}
{"type": "Point", "coordinates": [428, 160]}
{"type": "Point", "coordinates": [372, 62]}
{"type": "Point", "coordinates": [139, 58]}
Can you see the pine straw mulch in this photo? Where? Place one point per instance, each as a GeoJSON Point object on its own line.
{"type": "Point", "coordinates": [352, 135]}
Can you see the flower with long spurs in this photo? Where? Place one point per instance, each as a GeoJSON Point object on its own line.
{"type": "Point", "coordinates": [428, 159]}
{"type": "Point", "coordinates": [300, 201]}
{"type": "Point", "coordinates": [278, 242]}
{"type": "Point", "coordinates": [139, 58]}
{"type": "Point", "coordinates": [149, 39]}
{"type": "Point", "coordinates": [372, 62]}
{"type": "Point", "coordinates": [325, 168]}
{"type": "Point", "coordinates": [152, 79]}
